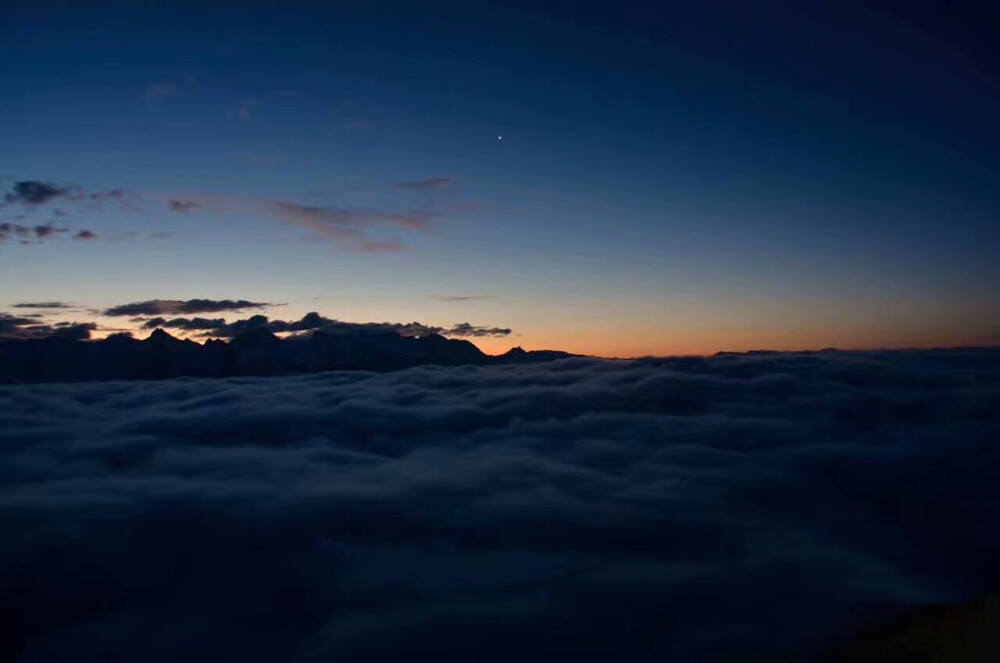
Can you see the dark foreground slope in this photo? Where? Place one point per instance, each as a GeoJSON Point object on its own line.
{"type": "Point", "coordinates": [256, 353]}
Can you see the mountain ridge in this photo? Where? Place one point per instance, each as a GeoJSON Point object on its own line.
{"type": "Point", "coordinates": [255, 353]}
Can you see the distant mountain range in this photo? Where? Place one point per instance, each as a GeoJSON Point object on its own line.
{"type": "Point", "coordinates": [259, 352]}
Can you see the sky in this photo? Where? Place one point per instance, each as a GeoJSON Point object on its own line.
{"type": "Point", "coordinates": [602, 178]}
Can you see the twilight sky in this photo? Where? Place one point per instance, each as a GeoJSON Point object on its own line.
{"type": "Point", "coordinates": [685, 179]}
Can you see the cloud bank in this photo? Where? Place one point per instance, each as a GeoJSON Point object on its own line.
{"type": "Point", "coordinates": [177, 306]}
{"type": "Point", "coordinates": [735, 508]}
{"type": "Point", "coordinates": [33, 326]}
{"type": "Point", "coordinates": [219, 328]}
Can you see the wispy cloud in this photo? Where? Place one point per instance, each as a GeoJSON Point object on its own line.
{"type": "Point", "coordinates": [263, 159]}
{"type": "Point", "coordinates": [430, 184]}
{"type": "Point", "coordinates": [348, 226]}
{"type": "Point", "coordinates": [459, 298]}
{"type": "Point", "coordinates": [245, 110]}
{"type": "Point", "coordinates": [158, 91]}
{"type": "Point", "coordinates": [182, 206]}
{"type": "Point", "coordinates": [382, 247]}
{"type": "Point", "coordinates": [334, 220]}
{"type": "Point", "coordinates": [39, 234]}
{"type": "Point", "coordinates": [37, 199]}
{"type": "Point", "coordinates": [29, 234]}
{"type": "Point", "coordinates": [358, 124]}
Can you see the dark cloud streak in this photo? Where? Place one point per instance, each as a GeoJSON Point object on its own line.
{"type": "Point", "coordinates": [460, 298]}
{"type": "Point", "coordinates": [36, 192]}
{"type": "Point", "coordinates": [42, 305]}
{"type": "Point", "coordinates": [176, 306]}
{"type": "Point", "coordinates": [181, 206]}
{"type": "Point", "coordinates": [29, 234]}
{"type": "Point", "coordinates": [465, 329]}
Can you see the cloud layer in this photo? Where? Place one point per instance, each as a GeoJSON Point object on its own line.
{"type": "Point", "coordinates": [737, 508]}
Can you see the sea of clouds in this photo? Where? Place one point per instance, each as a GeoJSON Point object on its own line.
{"type": "Point", "coordinates": [735, 508]}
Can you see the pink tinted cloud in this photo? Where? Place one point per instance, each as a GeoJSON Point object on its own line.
{"type": "Point", "coordinates": [382, 247]}
{"type": "Point", "coordinates": [343, 225]}
{"type": "Point", "coordinates": [157, 91]}
{"type": "Point", "coordinates": [429, 184]}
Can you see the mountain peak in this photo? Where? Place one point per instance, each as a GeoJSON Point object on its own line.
{"type": "Point", "coordinates": [255, 352]}
{"type": "Point", "coordinates": [160, 336]}
{"type": "Point", "coordinates": [258, 335]}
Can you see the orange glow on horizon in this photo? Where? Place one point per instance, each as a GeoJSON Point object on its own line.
{"type": "Point", "coordinates": [615, 344]}
{"type": "Point", "coordinates": [709, 342]}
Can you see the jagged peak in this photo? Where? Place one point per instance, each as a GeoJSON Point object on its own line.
{"type": "Point", "coordinates": [256, 352]}
{"type": "Point", "coordinates": [259, 334]}
{"type": "Point", "coordinates": [160, 335]}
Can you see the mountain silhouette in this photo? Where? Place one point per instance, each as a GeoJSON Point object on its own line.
{"type": "Point", "coordinates": [254, 353]}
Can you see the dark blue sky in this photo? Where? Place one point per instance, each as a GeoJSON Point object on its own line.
{"type": "Point", "coordinates": [680, 178]}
